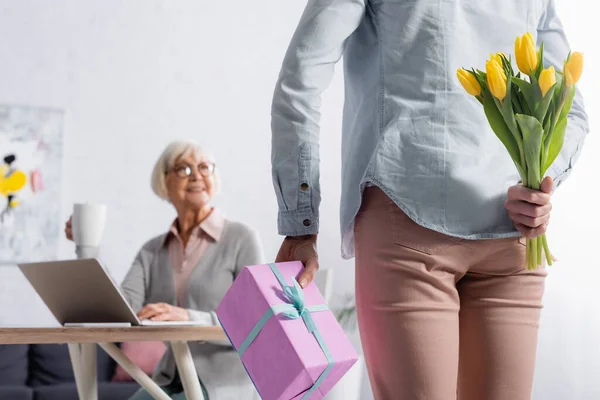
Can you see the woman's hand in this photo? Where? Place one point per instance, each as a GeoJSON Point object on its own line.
{"type": "Point", "coordinates": [530, 209]}
{"type": "Point", "coordinates": [69, 228]}
{"type": "Point", "coordinates": [163, 312]}
{"type": "Point", "coordinates": [301, 248]}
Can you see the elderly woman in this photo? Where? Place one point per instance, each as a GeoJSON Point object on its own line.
{"type": "Point", "coordinates": [184, 273]}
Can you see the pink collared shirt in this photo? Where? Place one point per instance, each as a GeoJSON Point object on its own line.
{"type": "Point", "coordinates": [184, 260]}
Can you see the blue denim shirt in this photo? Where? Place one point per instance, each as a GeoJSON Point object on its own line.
{"type": "Point", "coordinates": [409, 127]}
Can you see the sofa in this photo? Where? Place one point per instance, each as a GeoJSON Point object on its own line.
{"type": "Point", "coordinates": [44, 372]}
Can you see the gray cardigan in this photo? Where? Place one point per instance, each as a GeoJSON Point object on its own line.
{"type": "Point", "coordinates": [150, 280]}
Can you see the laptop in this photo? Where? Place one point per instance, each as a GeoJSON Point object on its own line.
{"type": "Point", "coordinates": [81, 293]}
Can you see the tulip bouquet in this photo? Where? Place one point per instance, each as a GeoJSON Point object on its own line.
{"type": "Point", "coordinates": [528, 113]}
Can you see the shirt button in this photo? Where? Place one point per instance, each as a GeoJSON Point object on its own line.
{"type": "Point", "coordinates": [307, 222]}
{"type": "Point", "coordinates": [304, 187]}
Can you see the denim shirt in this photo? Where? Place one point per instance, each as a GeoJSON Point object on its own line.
{"type": "Point", "coordinates": [408, 126]}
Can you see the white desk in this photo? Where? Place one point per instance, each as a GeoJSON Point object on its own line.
{"type": "Point", "coordinates": [82, 348]}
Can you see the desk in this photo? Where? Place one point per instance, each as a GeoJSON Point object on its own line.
{"type": "Point", "coordinates": [82, 348]}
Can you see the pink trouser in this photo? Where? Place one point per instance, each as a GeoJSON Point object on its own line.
{"type": "Point", "coordinates": [440, 317]}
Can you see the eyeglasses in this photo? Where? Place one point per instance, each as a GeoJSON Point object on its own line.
{"type": "Point", "coordinates": [205, 169]}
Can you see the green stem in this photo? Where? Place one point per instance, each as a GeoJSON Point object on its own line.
{"type": "Point", "coordinates": [534, 255]}
{"type": "Point", "coordinates": [525, 178]}
{"type": "Point", "coordinates": [540, 248]}
{"type": "Point", "coordinates": [529, 243]}
{"type": "Point", "coordinates": [547, 250]}
{"type": "Point", "coordinates": [527, 253]}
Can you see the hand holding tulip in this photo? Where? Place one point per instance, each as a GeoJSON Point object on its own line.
{"type": "Point", "coordinates": [530, 209]}
{"type": "Point", "coordinates": [527, 111]}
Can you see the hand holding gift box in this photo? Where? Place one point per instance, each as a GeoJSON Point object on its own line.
{"type": "Point", "coordinates": [290, 343]}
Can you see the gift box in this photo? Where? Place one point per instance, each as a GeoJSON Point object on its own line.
{"type": "Point", "coordinates": [289, 341]}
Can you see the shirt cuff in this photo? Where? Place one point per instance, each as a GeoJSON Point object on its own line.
{"type": "Point", "coordinates": [201, 316]}
{"type": "Point", "coordinates": [557, 175]}
{"type": "Point", "coordinates": [298, 222]}
{"type": "Point", "coordinates": [215, 319]}
{"type": "Point", "coordinates": [208, 319]}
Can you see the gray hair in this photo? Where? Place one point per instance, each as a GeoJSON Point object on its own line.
{"type": "Point", "coordinates": [166, 161]}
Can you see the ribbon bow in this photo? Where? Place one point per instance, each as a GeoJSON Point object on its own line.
{"type": "Point", "coordinates": [296, 296]}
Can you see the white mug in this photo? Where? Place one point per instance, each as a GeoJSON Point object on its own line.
{"type": "Point", "coordinates": [88, 224]}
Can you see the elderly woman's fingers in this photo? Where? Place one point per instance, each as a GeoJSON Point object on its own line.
{"type": "Point", "coordinates": [173, 314]}
{"type": "Point", "coordinates": [69, 229]}
{"type": "Point", "coordinates": [151, 310]}
{"type": "Point", "coordinates": [147, 312]}
{"type": "Point", "coordinates": [163, 317]}
{"type": "Point", "coordinates": [168, 316]}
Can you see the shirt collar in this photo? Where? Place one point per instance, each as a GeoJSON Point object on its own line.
{"type": "Point", "coordinates": [212, 225]}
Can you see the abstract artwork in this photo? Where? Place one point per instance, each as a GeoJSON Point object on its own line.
{"type": "Point", "coordinates": [30, 183]}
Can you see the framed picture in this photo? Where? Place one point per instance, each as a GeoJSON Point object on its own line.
{"type": "Point", "coordinates": [31, 141]}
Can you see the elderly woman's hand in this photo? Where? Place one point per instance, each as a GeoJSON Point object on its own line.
{"type": "Point", "coordinates": [163, 312]}
{"type": "Point", "coordinates": [69, 228]}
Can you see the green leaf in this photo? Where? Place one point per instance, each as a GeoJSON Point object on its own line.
{"type": "Point", "coordinates": [548, 124]}
{"type": "Point", "coordinates": [541, 108]}
{"type": "Point", "coordinates": [540, 66]}
{"type": "Point", "coordinates": [538, 105]}
{"type": "Point", "coordinates": [554, 135]}
{"type": "Point", "coordinates": [557, 139]}
{"type": "Point", "coordinates": [496, 121]}
{"type": "Point", "coordinates": [548, 127]}
{"type": "Point", "coordinates": [481, 78]}
{"type": "Point", "coordinates": [568, 103]}
{"type": "Point", "coordinates": [508, 114]}
{"type": "Point", "coordinates": [531, 92]}
{"type": "Point", "coordinates": [532, 146]}
{"type": "Point", "coordinates": [517, 107]}
{"type": "Point", "coordinates": [506, 66]}
{"type": "Point", "coordinates": [559, 92]}
{"type": "Point", "coordinates": [510, 66]}
{"type": "Point", "coordinates": [522, 101]}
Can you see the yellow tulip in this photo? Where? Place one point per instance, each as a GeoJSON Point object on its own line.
{"type": "Point", "coordinates": [469, 82]}
{"type": "Point", "coordinates": [526, 53]}
{"type": "Point", "coordinates": [496, 79]}
{"type": "Point", "coordinates": [573, 68]}
{"type": "Point", "coordinates": [547, 80]}
{"type": "Point", "coordinates": [497, 57]}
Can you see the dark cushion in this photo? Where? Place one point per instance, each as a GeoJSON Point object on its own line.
{"type": "Point", "coordinates": [68, 391]}
{"type": "Point", "coordinates": [51, 364]}
{"type": "Point", "coordinates": [14, 364]}
{"type": "Point", "coordinates": [16, 393]}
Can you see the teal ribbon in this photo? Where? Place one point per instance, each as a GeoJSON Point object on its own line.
{"type": "Point", "coordinates": [293, 310]}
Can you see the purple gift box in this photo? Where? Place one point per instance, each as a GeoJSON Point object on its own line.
{"type": "Point", "coordinates": [290, 343]}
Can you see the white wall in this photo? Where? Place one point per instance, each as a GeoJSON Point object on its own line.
{"type": "Point", "coordinates": [569, 347]}
{"type": "Point", "coordinates": [133, 75]}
